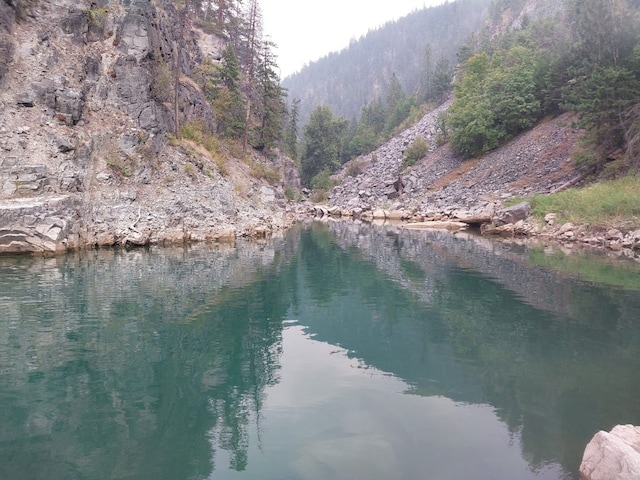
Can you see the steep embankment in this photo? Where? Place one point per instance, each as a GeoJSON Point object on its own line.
{"type": "Point", "coordinates": [537, 161]}
{"type": "Point", "coordinates": [85, 159]}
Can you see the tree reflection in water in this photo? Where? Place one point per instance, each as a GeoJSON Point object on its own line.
{"type": "Point", "coordinates": [150, 364]}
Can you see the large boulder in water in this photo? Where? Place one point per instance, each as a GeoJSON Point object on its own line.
{"type": "Point", "coordinates": [613, 455]}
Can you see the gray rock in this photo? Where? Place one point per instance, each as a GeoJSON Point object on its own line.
{"type": "Point", "coordinates": [613, 455]}
{"type": "Point", "coordinates": [550, 218]}
{"type": "Point", "coordinates": [512, 214]}
{"type": "Point", "coordinates": [39, 225]}
{"type": "Point", "coordinates": [69, 105]}
{"type": "Point", "coordinates": [25, 100]}
{"type": "Point", "coordinates": [614, 234]}
{"type": "Point", "coordinates": [103, 177]}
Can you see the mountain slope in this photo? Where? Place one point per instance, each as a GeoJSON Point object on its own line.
{"type": "Point", "coordinates": [348, 79]}
{"type": "Point", "coordinates": [537, 161]}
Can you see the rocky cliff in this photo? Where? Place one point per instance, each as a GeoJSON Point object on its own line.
{"type": "Point", "coordinates": [86, 102]}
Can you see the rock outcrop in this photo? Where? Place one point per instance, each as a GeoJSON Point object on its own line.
{"type": "Point", "coordinates": [613, 455]}
{"type": "Point", "coordinates": [45, 224]}
{"type": "Point", "coordinates": [87, 111]}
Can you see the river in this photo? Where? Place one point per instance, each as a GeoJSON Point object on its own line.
{"type": "Point", "coordinates": [336, 351]}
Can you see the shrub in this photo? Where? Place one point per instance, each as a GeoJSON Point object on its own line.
{"type": "Point", "coordinates": [291, 194]}
{"type": "Point", "coordinates": [354, 168]}
{"type": "Point", "coordinates": [322, 181]}
{"type": "Point", "coordinates": [271, 175]}
{"type": "Point", "coordinates": [416, 151]}
{"type": "Point", "coordinates": [319, 196]}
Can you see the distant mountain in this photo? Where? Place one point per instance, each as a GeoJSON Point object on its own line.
{"type": "Point", "coordinates": [347, 80]}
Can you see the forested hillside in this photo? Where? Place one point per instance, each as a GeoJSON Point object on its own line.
{"type": "Point", "coordinates": [527, 60]}
{"type": "Point", "coordinates": [413, 48]}
{"type": "Point", "coordinates": [584, 57]}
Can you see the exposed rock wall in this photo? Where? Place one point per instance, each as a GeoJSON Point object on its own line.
{"type": "Point", "coordinates": [40, 225]}
{"type": "Point", "coordinates": [87, 102]}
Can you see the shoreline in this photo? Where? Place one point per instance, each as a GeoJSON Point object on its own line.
{"type": "Point", "coordinates": [55, 226]}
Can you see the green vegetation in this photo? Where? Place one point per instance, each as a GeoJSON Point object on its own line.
{"type": "Point", "coordinates": [323, 181]}
{"type": "Point", "coordinates": [261, 171]}
{"type": "Point", "coordinates": [96, 15]}
{"type": "Point", "coordinates": [291, 194]}
{"type": "Point", "coordinates": [122, 165]}
{"type": "Point", "coordinates": [323, 144]}
{"type": "Point", "coordinates": [505, 85]}
{"type": "Point", "coordinates": [243, 88]}
{"type": "Point", "coordinates": [355, 168]}
{"type": "Point", "coordinates": [416, 151]}
{"type": "Point", "coordinates": [601, 205]}
{"type": "Point", "coordinates": [196, 132]}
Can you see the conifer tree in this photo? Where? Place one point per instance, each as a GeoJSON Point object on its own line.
{"type": "Point", "coordinates": [270, 107]}
{"type": "Point", "coordinates": [291, 131]}
{"type": "Point", "coordinates": [324, 137]}
{"type": "Point", "coordinates": [227, 98]}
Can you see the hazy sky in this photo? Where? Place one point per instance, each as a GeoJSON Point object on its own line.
{"type": "Point", "coordinates": [307, 30]}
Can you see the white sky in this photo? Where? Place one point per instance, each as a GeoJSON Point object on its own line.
{"type": "Point", "coordinates": [308, 30]}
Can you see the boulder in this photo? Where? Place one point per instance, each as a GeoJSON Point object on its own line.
{"type": "Point", "coordinates": [396, 215]}
{"type": "Point", "coordinates": [512, 214]}
{"type": "Point", "coordinates": [613, 455]}
{"type": "Point", "coordinates": [25, 100]}
{"type": "Point", "coordinates": [379, 214]}
{"type": "Point", "coordinates": [550, 218]}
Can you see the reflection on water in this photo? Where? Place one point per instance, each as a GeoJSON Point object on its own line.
{"type": "Point", "coordinates": [340, 351]}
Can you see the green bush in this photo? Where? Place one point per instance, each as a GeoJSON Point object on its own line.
{"type": "Point", "coordinates": [354, 168]}
{"type": "Point", "coordinates": [322, 181]}
{"type": "Point", "coordinates": [416, 151]}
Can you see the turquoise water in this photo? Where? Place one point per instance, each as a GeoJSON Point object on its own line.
{"type": "Point", "coordinates": [335, 352]}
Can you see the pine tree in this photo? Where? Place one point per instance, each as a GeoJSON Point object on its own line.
{"type": "Point", "coordinates": [291, 131]}
{"type": "Point", "coordinates": [324, 137]}
{"type": "Point", "coordinates": [227, 98]}
{"type": "Point", "coordinates": [270, 106]}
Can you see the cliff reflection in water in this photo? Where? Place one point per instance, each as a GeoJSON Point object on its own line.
{"type": "Point", "coordinates": [158, 364]}
{"type": "Point", "coordinates": [122, 365]}
{"type": "Point", "coordinates": [473, 320]}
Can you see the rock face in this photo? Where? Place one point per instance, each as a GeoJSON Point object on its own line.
{"type": "Point", "coordinates": [613, 456]}
{"type": "Point", "coordinates": [85, 156]}
{"type": "Point", "coordinates": [40, 225]}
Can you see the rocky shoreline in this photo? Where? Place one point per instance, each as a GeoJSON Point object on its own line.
{"type": "Point", "coordinates": [86, 157]}
{"type": "Point", "coordinates": [49, 225]}
{"type": "Point", "coordinates": [491, 220]}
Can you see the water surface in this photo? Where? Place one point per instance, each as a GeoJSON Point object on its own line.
{"type": "Point", "coordinates": [337, 352]}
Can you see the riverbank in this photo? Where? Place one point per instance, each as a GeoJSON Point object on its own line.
{"type": "Point", "coordinates": [513, 223]}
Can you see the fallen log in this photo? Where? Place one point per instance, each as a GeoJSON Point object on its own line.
{"type": "Point", "coordinates": [436, 225]}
